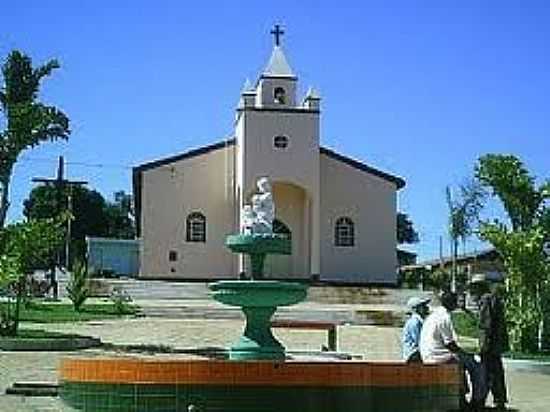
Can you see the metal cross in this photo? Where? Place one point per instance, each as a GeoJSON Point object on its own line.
{"type": "Point", "coordinates": [277, 32]}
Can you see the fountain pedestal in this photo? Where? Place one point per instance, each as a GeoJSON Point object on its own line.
{"type": "Point", "coordinates": [258, 298]}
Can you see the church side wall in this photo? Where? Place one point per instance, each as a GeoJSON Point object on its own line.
{"type": "Point", "coordinates": [371, 203]}
{"type": "Point", "coordinates": [169, 194]}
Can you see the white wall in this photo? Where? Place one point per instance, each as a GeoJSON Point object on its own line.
{"type": "Point", "coordinates": [169, 193]}
{"type": "Point", "coordinates": [371, 202]}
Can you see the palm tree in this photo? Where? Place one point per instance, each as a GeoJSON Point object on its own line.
{"type": "Point", "coordinates": [28, 122]}
{"type": "Point", "coordinates": [463, 215]}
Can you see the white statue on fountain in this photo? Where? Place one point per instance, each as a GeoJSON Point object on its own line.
{"type": "Point", "coordinates": [258, 217]}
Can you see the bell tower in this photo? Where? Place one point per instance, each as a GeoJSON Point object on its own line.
{"type": "Point", "coordinates": [278, 136]}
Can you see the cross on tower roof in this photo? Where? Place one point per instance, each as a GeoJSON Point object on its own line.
{"type": "Point", "coordinates": [277, 32]}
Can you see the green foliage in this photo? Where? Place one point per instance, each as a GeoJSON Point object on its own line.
{"type": "Point", "coordinates": [28, 121]}
{"type": "Point", "coordinates": [464, 209]}
{"type": "Point", "coordinates": [25, 246]}
{"type": "Point", "coordinates": [464, 212]}
{"type": "Point", "coordinates": [521, 247]}
{"type": "Point", "coordinates": [78, 288]}
{"type": "Point", "coordinates": [405, 230]}
{"type": "Point", "coordinates": [120, 218]}
{"type": "Point", "coordinates": [32, 244]}
{"type": "Point", "coordinates": [440, 279]}
{"type": "Point", "coordinates": [9, 270]}
{"type": "Point", "coordinates": [92, 215]}
{"type": "Point", "coordinates": [527, 280]}
{"type": "Point", "coordinates": [121, 300]}
{"type": "Point", "coordinates": [510, 181]}
{"type": "Point", "coordinates": [412, 278]}
{"type": "Point", "coordinates": [466, 324]}
{"type": "Point", "coordinates": [65, 312]}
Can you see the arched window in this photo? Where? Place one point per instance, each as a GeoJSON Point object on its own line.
{"type": "Point", "coordinates": [280, 142]}
{"type": "Point", "coordinates": [279, 95]}
{"type": "Point", "coordinates": [280, 228]}
{"type": "Point", "coordinates": [344, 233]}
{"type": "Point", "coordinates": [196, 227]}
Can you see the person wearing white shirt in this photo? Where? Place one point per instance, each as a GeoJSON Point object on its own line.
{"type": "Point", "coordinates": [438, 344]}
{"type": "Point", "coordinates": [438, 337]}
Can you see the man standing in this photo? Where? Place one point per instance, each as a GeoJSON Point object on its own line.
{"type": "Point", "coordinates": [418, 310]}
{"type": "Point", "coordinates": [438, 344]}
{"type": "Point", "coordinates": [493, 336]}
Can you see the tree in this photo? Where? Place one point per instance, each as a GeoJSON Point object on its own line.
{"type": "Point", "coordinates": [527, 279]}
{"type": "Point", "coordinates": [24, 247]}
{"type": "Point", "coordinates": [91, 214]}
{"type": "Point", "coordinates": [521, 246]}
{"type": "Point", "coordinates": [464, 212]}
{"type": "Point", "coordinates": [88, 213]}
{"type": "Point", "coordinates": [510, 181]}
{"type": "Point", "coordinates": [77, 289]}
{"type": "Point", "coordinates": [28, 121]}
{"type": "Point", "coordinates": [120, 217]}
{"type": "Point", "coordinates": [405, 229]}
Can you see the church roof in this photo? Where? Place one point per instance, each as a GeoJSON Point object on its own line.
{"type": "Point", "coordinates": [398, 181]}
{"type": "Point", "coordinates": [138, 170]}
{"type": "Point", "coordinates": [278, 65]}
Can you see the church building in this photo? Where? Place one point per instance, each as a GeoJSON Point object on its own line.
{"type": "Point", "coordinates": [339, 212]}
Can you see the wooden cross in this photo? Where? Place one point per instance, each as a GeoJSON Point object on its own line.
{"type": "Point", "coordinates": [277, 32]}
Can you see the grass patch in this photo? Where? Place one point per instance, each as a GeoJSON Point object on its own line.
{"type": "Point", "coordinates": [540, 357]}
{"type": "Point", "coordinates": [64, 312]}
{"type": "Point", "coordinates": [466, 324]}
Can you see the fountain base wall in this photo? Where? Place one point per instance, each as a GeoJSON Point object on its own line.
{"type": "Point", "coordinates": [138, 384]}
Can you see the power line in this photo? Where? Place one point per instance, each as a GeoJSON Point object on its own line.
{"type": "Point", "coordinates": [85, 164]}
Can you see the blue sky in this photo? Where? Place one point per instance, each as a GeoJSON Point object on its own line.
{"type": "Point", "coordinates": [417, 88]}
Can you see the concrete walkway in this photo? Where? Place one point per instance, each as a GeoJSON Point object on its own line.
{"type": "Point", "coordinates": [195, 321]}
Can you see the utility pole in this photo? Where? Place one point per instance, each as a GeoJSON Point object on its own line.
{"type": "Point", "coordinates": [62, 186]}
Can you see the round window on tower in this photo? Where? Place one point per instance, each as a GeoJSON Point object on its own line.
{"type": "Point", "coordinates": [279, 95]}
{"type": "Point", "coordinates": [280, 142]}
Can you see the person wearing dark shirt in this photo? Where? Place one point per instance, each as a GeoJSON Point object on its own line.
{"type": "Point", "coordinates": [493, 337]}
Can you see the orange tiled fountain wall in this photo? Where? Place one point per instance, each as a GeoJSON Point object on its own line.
{"type": "Point", "coordinates": [132, 385]}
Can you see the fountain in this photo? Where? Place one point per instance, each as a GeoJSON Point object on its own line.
{"type": "Point", "coordinates": [257, 375]}
{"type": "Point", "coordinates": [258, 298]}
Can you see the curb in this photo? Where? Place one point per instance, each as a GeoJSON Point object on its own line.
{"type": "Point", "coordinates": [525, 365]}
{"type": "Point", "coordinates": [54, 344]}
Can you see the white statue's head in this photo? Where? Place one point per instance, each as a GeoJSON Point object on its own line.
{"type": "Point", "coordinates": [264, 186]}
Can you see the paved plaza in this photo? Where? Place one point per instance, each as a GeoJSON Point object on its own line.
{"type": "Point", "coordinates": [218, 328]}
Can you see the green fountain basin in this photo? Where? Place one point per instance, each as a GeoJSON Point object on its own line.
{"type": "Point", "coordinates": [266, 244]}
{"type": "Point", "coordinates": [258, 299]}
{"type": "Point", "coordinates": [258, 293]}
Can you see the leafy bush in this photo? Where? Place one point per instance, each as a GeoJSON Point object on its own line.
{"type": "Point", "coordinates": [77, 287]}
{"type": "Point", "coordinates": [24, 247]}
{"type": "Point", "coordinates": [121, 300]}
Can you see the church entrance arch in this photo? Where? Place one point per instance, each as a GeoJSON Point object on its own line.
{"type": "Point", "coordinates": [291, 218]}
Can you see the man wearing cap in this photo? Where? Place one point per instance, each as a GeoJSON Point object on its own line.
{"type": "Point", "coordinates": [418, 310]}
{"type": "Point", "coordinates": [493, 336]}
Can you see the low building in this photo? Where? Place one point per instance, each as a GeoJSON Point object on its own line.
{"type": "Point", "coordinates": [115, 256]}
{"type": "Point", "coordinates": [486, 261]}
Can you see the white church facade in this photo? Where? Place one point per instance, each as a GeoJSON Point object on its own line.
{"type": "Point", "coordinates": [339, 212]}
